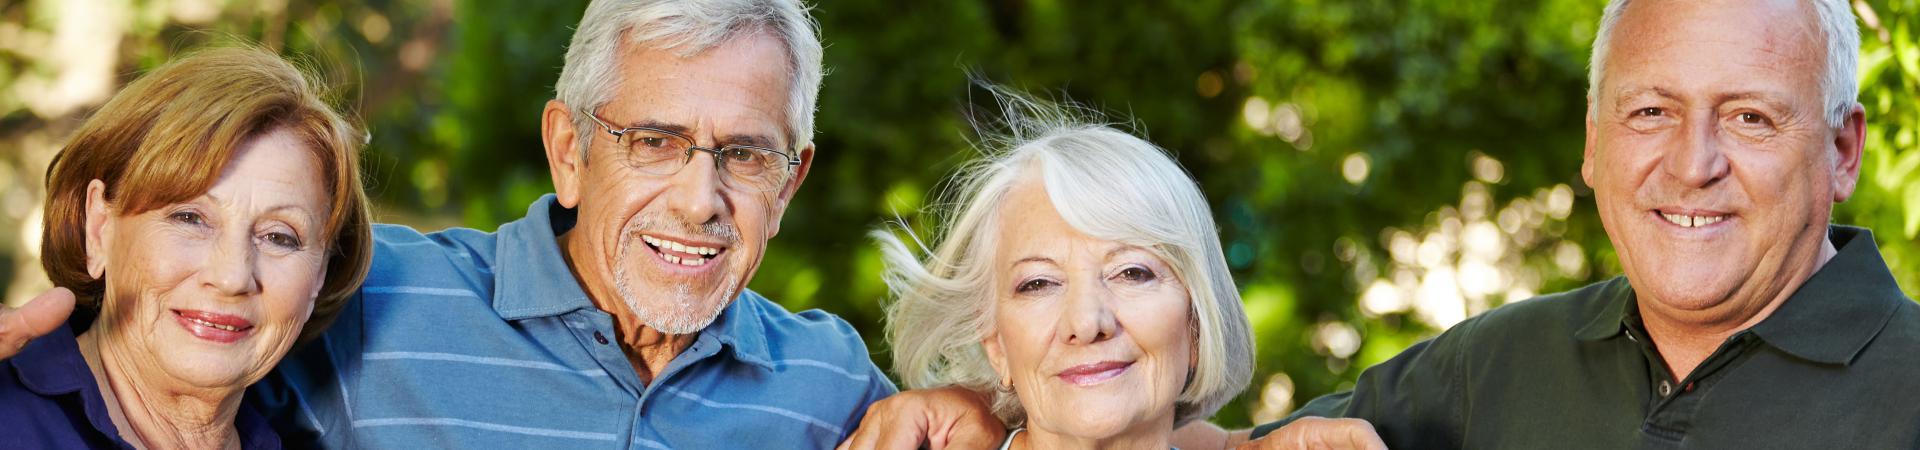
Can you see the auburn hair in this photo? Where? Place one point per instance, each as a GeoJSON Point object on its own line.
{"type": "Point", "coordinates": [167, 137]}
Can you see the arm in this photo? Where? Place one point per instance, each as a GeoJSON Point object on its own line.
{"type": "Point", "coordinates": [34, 319]}
{"type": "Point", "coordinates": [1415, 400]}
{"type": "Point", "coordinates": [947, 417]}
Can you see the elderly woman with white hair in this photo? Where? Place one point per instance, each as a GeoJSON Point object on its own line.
{"type": "Point", "coordinates": [1080, 282]}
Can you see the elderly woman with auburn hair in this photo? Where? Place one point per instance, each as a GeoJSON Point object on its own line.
{"type": "Point", "coordinates": [1080, 282]}
{"type": "Point", "coordinates": [207, 218]}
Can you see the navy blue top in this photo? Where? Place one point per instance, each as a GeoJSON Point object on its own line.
{"type": "Point", "coordinates": [49, 399]}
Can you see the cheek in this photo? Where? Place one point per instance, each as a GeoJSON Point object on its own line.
{"type": "Point", "coordinates": [1161, 326]}
{"type": "Point", "coordinates": [1024, 335]}
{"type": "Point", "coordinates": [291, 283]}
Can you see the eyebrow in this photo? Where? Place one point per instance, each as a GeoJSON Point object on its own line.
{"type": "Point", "coordinates": [1772, 100]}
{"type": "Point", "coordinates": [1033, 259]}
{"type": "Point", "coordinates": [312, 218]}
{"type": "Point", "coordinates": [1644, 91]}
{"type": "Point", "coordinates": [730, 139]}
{"type": "Point", "coordinates": [1109, 255]}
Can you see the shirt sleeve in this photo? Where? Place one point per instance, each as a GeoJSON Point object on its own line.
{"type": "Point", "coordinates": [878, 387]}
{"type": "Point", "coordinates": [1415, 400]}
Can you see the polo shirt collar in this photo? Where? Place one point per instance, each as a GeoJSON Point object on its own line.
{"type": "Point", "coordinates": [52, 364]}
{"type": "Point", "coordinates": [1833, 316]}
{"type": "Point", "coordinates": [1611, 319]}
{"type": "Point", "coordinates": [1829, 319]}
{"type": "Point", "coordinates": [531, 278]}
{"type": "Point", "coordinates": [742, 327]}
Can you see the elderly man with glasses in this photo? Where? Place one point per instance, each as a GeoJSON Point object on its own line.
{"type": "Point", "coordinates": [615, 314]}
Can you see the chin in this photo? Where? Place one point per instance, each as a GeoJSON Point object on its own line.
{"type": "Point", "coordinates": [210, 370]}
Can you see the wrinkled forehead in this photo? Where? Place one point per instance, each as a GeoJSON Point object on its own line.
{"type": "Point", "coordinates": [1687, 45]}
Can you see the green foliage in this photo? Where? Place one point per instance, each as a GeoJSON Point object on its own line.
{"type": "Point", "coordinates": [1379, 168]}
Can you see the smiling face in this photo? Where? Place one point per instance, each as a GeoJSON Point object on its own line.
{"type": "Point", "coordinates": [676, 248]}
{"type": "Point", "coordinates": [1095, 335]}
{"type": "Point", "coordinates": [1710, 156]}
{"type": "Point", "coordinates": [212, 291]}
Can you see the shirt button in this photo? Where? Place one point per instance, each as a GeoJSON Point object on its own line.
{"type": "Point", "coordinates": [602, 339]}
{"type": "Point", "coordinates": [1666, 388]}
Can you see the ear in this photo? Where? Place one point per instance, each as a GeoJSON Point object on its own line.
{"type": "Point", "coordinates": [99, 228]}
{"type": "Point", "coordinates": [997, 356]}
{"type": "Point", "coordinates": [792, 187]}
{"type": "Point", "coordinates": [1586, 158]}
{"type": "Point", "coordinates": [1193, 351]}
{"type": "Point", "coordinates": [564, 158]}
{"type": "Point", "coordinates": [1849, 146]}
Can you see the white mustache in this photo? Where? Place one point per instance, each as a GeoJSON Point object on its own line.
{"type": "Point", "coordinates": [723, 232]}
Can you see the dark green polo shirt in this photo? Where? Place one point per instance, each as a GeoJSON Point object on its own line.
{"type": "Point", "coordinates": [1834, 367]}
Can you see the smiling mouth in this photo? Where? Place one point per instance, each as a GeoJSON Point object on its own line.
{"type": "Point", "coordinates": [681, 253]}
{"type": "Point", "coordinates": [1693, 220]}
{"type": "Point", "coordinates": [211, 326]}
{"type": "Point", "coordinates": [1094, 373]}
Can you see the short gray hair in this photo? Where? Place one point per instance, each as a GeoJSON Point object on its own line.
{"type": "Point", "coordinates": [1839, 84]}
{"type": "Point", "coordinates": [1103, 182]}
{"type": "Point", "coordinates": [688, 27]}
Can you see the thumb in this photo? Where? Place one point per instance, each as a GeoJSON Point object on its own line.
{"type": "Point", "coordinates": [36, 318]}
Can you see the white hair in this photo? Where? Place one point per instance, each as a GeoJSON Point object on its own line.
{"type": "Point", "coordinates": [688, 27]}
{"type": "Point", "coordinates": [1105, 183]}
{"type": "Point", "coordinates": [1839, 84]}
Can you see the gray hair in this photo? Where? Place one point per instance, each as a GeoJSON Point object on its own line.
{"type": "Point", "coordinates": [1104, 183]}
{"type": "Point", "coordinates": [1840, 83]}
{"type": "Point", "coordinates": [688, 27]}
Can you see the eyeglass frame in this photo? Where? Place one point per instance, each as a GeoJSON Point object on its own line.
{"type": "Point", "coordinates": [793, 161]}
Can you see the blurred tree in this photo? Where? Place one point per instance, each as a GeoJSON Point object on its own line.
{"type": "Point", "coordinates": [1380, 169]}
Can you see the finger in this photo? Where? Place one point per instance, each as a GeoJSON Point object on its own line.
{"type": "Point", "coordinates": [972, 441]}
{"type": "Point", "coordinates": [36, 318]}
{"type": "Point", "coordinates": [900, 437]}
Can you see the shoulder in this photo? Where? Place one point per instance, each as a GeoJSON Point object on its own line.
{"type": "Point", "coordinates": [1560, 312]}
{"type": "Point", "coordinates": [400, 246]}
{"type": "Point", "coordinates": [455, 258]}
{"type": "Point", "coordinates": [810, 334]}
{"type": "Point", "coordinates": [42, 399]}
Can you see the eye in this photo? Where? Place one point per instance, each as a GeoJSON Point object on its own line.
{"type": "Point", "coordinates": [742, 155]}
{"type": "Point", "coordinates": [1136, 274]}
{"type": "Point", "coordinates": [651, 141]}
{"type": "Point", "coordinates": [1033, 285]}
{"type": "Point", "coordinates": [188, 217]}
{"type": "Point", "coordinates": [1752, 119]}
{"type": "Point", "coordinates": [1649, 112]}
{"type": "Point", "coordinates": [282, 240]}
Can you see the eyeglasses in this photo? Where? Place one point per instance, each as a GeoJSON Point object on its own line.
{"type": "Point", "coordinates": [662, 153]}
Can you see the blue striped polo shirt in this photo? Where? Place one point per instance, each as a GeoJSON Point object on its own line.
{"type": "Point", "coordinates": [467, 339]}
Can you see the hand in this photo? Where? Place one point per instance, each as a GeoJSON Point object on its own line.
{"type": "Point", "coordinates": [942, 418]}
{"type": "Point", "coordinates": [1319, 433]}
{"type": "Point", "coordinates": [37, 318]}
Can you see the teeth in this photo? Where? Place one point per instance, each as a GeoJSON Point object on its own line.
{"type": "Point", "coordinates": [693, 261]}
{"type": "Point", "coordinates": [1688, 221]}
{"type": "Point", "coordinates": [214, 325]}
{"type": "Point", "coordinates": [679, 247]}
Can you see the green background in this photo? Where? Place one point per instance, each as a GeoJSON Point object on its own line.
{"type": "Point", "coordinates": [1380, 169]}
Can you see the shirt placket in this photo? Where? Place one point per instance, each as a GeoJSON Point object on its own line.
{"type": "Point", "coordinates": [1674, 403]}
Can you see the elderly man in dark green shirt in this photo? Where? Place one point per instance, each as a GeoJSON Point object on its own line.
{"type": "Point", "coordinates": [1720, 133]}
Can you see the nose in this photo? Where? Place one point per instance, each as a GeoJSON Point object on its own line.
{"type": "Point", "coordinates": [1698, 160]}
{"type": "Point", "coordinates": [1088, 317]}
{"type": "Point", "coordinates": [696, 192]}
{"type": "Point", "coordinates": [229, 270]}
